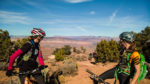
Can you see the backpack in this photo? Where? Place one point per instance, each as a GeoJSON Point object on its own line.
{"type": "Point", "coordinates": [26, 56]}
{"type": "Point", "coordinates": [143, 68]}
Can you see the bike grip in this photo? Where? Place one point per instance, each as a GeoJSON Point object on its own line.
{"type": "Point", "coordinates": [45, 66]}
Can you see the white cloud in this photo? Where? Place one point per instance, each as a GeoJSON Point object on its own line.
{"type": "Point", "coordinates": [13, 17]}
{"type": "Point", "coordinates": [31, 3]}
{"type": "Point", "coordinates": [77, 1]}
{"type": "Point", "coordinates": [127, 23]}
{"type": "Point", "coordinates": [113, 15]}
{"type": "Point", "coordinates": [34, 4]}
{"type": "Point", "coordinates": [84, 30]}
{"type": "Point", "coordinates": [92, 12]}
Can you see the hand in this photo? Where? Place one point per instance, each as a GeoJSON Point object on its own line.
{"type": "Point", "coordinates": [9, 73]}
{"type": "Point", "coordinates": [42, 67]}
{"type": "Point", "coordinates": [132, 83]}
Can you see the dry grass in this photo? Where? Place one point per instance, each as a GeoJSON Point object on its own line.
{"type": "Point", "coordinates": [81, 58]}
{"type": "Point", "coordinates": [70, 67]}
{"type": "Point", "coordinates": [3, 66]}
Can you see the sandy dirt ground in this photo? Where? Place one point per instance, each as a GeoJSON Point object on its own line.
{"type": "Point", "coordinates": [83, 76]}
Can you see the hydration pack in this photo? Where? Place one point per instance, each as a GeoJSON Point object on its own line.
{"type": "Point", "coordinates": [143, 68]}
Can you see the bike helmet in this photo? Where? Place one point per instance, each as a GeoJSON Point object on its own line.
{"type": "Point", "coordinates": [127, 36]}
{"type": "Point", "coordinates": [38, 32]}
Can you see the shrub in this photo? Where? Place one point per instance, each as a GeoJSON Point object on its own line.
{"type": "Point", "coordinates": [78, 51]}
{"type": "Point", "coordinates": [60, 55]}
{"type": "Point", "coordinates": [70, 67]}
{"type": "Point", "coordinates": [107, 51]}
{"type": "Point", "coordinates": [74, 49]}
{"type": "Point", "coordinates": [3, 66]}
{"type": "Point", "coordinates": [78, 58]}
{"type": "Point", "coordinates": [83, 49]}
{"type": "Point", "coordinates": [67, 49]}
{"type": "Point", "coordinates": [14, 80]}
{"type": "Point", "coordinates": [81, 58]}
{"type": "Point", "coordinates": [5, 45]}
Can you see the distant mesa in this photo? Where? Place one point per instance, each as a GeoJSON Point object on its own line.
{"type": "Point", "coordinates": [76, 38]}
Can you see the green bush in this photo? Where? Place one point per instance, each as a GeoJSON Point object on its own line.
{"type": "Point", "coordinates": [107, 51]}
{"type": "Point", "coordinates": [5, 45]}
{"type": "Point", "coordinates": [60, 55]}
{"type": "Point", "coordinates": [67, 49]}
{"type": "Point", "coordinates": [19, 43]}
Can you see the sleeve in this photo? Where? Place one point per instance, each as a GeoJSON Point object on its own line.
{"type": "Point", "coordinates": [135, 58]}
{"type": "Point", "coordinates": [13, 57]}
{"type": "Point", "coordinates": [25, 48]}
{"type": "Point", "coordinates": [40, 57]}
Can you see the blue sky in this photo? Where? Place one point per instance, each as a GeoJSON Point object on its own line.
{"type": "Point", "coordinates": [74, 17]}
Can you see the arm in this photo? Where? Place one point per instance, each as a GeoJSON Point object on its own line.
{"type": "Point", "coordinates": [24, 49]}
{"type": "Point", "coordinates": [40, 57]}
{"type": "Point", "coordinates": [136, 61]}
{"type": "Point", "coordinates": [13, 57]}
{"type": "Point", "coordinates": [137, 73]}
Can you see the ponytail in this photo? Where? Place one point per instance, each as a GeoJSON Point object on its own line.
{"type": "Point", "coordinates": [31, 37]}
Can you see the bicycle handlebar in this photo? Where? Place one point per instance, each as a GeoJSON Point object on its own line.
{"type": "Point", "coordinates": [96, 77]}
{"type": "Point", "coordinates": [29, 72]}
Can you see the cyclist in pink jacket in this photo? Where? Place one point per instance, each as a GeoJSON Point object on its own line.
{"type": "Point", "coordinates": [27, 55]}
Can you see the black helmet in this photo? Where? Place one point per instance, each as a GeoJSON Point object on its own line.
{"type": "Point", "coordinates": [127, 36]}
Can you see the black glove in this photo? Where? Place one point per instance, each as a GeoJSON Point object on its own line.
{"type": "Point", "coordinates": [9, 73]}
{"type": "Point", "coordinates": [42, 67]}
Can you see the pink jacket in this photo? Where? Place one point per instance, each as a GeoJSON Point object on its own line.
{"type": "Point", "coordinates": [17, 54]}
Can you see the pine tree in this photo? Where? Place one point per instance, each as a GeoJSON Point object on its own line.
{"type": "Point", "coordinates": [107, 51]}
{"type": "Point", "coordinates": [5, 44]}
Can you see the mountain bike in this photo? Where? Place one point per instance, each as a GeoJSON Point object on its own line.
{"type": "Point", "coordinates": [96, 79]}
{"type": "Point", "coordinates": [27, 74]}
{"type": "Point", "coordinates": [53, 79]}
